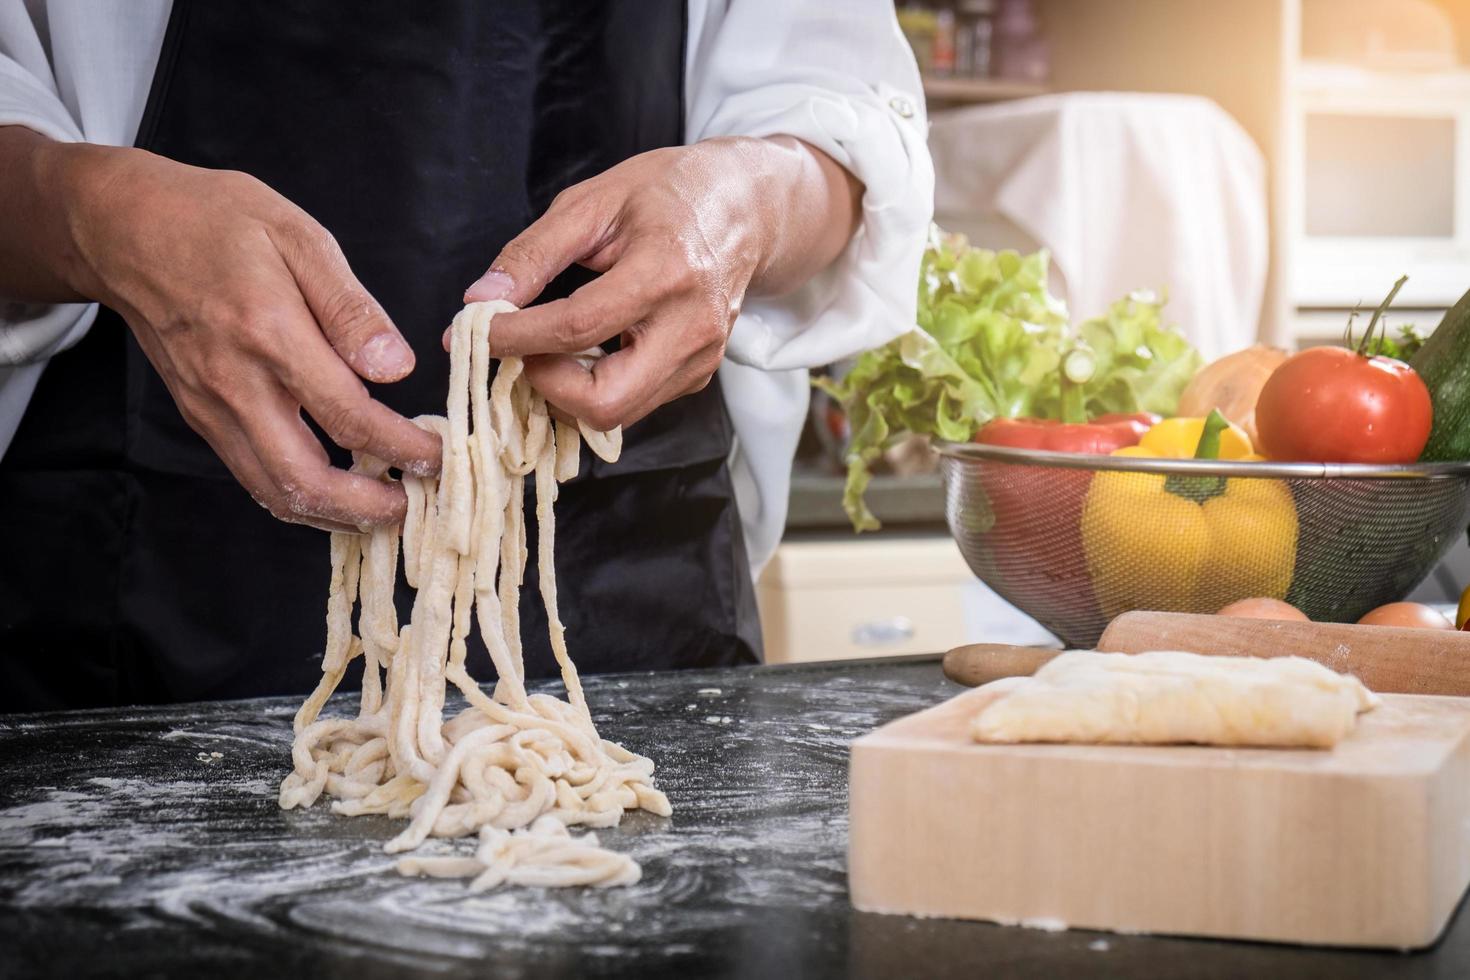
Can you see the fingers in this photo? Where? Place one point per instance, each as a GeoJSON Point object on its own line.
{"type": "Point", "coordinates": [252, 389]}
{"type": "Point", "coordinates": [246, 468]}
{"type": "Point", "coordinates": [602, 309]}
{"type": "Point", "coordinates": [303, 485]}
{"type": "Point", "coordinates": [355, 421]}
{"type": "Point", "coordinates": [575, 227]}
{"type": "Point", "coordinates": [276, 458]}
{"type": "Point", "coordinates": [352, 321]}
{"type": "Point", "coordinates": [285, 338]}
{"type": "Point", "coordinates": [232, 447]}
{"type": "Point", "coordinates": [625, 386]}
{"type": "Point", "coordinates": [352, 418]}
{"type": "Point", "coordinates": [248, 311]}
{"type": "Point", "coordinates": [254, 425]}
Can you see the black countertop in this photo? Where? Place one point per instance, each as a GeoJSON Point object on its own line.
{"type": "Point", "coordinates": [145, 841]}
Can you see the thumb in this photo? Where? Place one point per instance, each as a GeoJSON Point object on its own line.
{"type": "Point", "coordinates": [568, 232]}
{"type": "Point", "coordinates": [353, 322]}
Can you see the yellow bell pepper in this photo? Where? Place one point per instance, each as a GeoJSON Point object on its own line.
{"type": "Point", "coordinates": [1188, 544]}
{"type": "Point", "coordinates": [1179, 439]}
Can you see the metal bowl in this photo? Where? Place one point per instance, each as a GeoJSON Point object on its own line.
{"type": "Point", "coordinates": [1074, 539]}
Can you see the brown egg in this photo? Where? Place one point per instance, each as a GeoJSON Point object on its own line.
{"type": "Point", "coordinates": [1414, 614]}
{"type": "Point", "coordinates": [1263, 607]}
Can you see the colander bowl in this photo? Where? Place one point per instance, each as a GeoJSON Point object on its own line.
{"type": "Point", "coordinates": [1073, 539]}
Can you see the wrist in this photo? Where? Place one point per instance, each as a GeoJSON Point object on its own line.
{"type": "Point", "coordinates": [780, 182]}
{"type": "Point", "coordinates": [74, 181]}
{"type": "Point", "coordinates": [748, 175]}
{"type": "Point", "coordinates": [31, 249]}
{"type": "Point", "coordinates": [812, 203]}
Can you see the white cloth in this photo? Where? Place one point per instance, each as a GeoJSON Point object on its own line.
{"type": "Point", "coordinates": [1127, 191]}
{"type": "Point", "coordinates": [835, 73]}
{"type": "Point", "coordinates": [71, 71]}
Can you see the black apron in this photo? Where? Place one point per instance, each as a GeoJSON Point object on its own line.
{"type": "Point", "coordinates": [424, 137]}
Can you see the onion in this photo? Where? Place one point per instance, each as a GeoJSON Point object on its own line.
{"type": "Point", "coordinates": [1232, 384]}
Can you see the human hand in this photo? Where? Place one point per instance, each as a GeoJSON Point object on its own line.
{"type": "Point", "coordinates": [681, 235]}
{"type": "Point", "coordinates": [248, 310]}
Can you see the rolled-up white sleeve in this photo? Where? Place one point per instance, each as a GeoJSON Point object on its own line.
{"type": "Point", "coordinates": [72, 70]}
{"type": "Point", "coordinates": [29, 97]}
{"type": "Point", "coordinates": [838, 75]}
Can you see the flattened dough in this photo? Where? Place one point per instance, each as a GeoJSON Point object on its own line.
{"type": "Point", "coordinates": [1170, 697]}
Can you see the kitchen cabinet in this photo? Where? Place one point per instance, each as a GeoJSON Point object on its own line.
{"type": "Point", "coordinates": [839, 596]}
{"type": "Point", "coordinates": [843, 598]}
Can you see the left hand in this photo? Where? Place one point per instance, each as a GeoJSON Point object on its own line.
{"type": "Point", "coordinates": [681, 235]}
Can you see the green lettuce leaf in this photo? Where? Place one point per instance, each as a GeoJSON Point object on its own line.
{"type": "Point", "coordinates": [988, 343]}
{"type": "Point", "coordinates": [1142, 365]}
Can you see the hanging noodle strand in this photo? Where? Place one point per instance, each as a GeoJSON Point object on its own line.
{"type": "Point", "coordinates": [515, 768]}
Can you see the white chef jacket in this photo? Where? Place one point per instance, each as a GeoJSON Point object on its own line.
{"type": "Point", "coordinates": [835, 73]}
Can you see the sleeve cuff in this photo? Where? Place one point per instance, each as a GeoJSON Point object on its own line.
{"type": "Point", "coordinates": [868, 295]}
{"type": "Point", "coordinates": [31, 332]}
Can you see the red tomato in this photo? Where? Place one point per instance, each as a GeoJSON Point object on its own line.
{"type": "Point", "coordinates": [1332, 405]}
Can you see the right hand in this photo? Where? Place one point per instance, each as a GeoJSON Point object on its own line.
{"type": "Point", "coordinates": [247, 309]}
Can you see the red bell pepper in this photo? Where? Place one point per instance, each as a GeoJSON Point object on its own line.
{"type": "Point", "coordinates": [1036, 539]}
{"type": "Point", "coordinates": [1099, 437]}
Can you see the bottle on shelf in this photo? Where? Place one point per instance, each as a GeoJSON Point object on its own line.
{"type": "Point", "coordinates": [974, 29]}
{"type": "Point", "coordinates": [920, 25]}
{"type": "Point", "coordinates": [1021, 50]}
{"type": "Point", "coordinates": [942, 64]}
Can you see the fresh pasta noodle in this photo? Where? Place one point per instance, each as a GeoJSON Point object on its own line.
{"type": "Point", "coordinates": [516, 768]}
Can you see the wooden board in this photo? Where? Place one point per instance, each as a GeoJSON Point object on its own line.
{"type": "Point", "coordinates": [1389, 659]}
{"type": "Point", "coordinates": [1364, 845]}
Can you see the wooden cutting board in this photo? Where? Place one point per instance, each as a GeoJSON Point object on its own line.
{"type": "Point", "coordinates": [1388, 659]}
{"type": "Point", "coordinates": [1364, 845]}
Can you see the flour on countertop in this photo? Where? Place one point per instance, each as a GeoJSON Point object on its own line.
{"type": "Point", "coordinates": [116, 813]}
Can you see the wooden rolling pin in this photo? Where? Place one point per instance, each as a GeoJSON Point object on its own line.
{"type": "Point", "coordinates": [1389, 659]}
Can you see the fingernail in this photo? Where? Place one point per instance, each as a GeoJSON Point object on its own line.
{"type": "Point", "coordinates": [386, 356]}
{"type": "Point", "coordinates": [492, 285]}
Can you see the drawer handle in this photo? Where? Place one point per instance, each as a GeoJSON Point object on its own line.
{"type": "Point", "coordinates": [883, 632]}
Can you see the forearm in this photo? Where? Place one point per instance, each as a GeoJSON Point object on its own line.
{"type": "Point", "coordinates": [37, 255]}
{"type": "Point", "coordinates": [810, 217]}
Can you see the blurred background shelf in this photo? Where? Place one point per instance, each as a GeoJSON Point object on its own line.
{"type": "Point", "coordinates": [960, 91]}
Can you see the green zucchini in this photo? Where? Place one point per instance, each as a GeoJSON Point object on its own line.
{"type": "Point", "coordinates": [1444, 364]}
